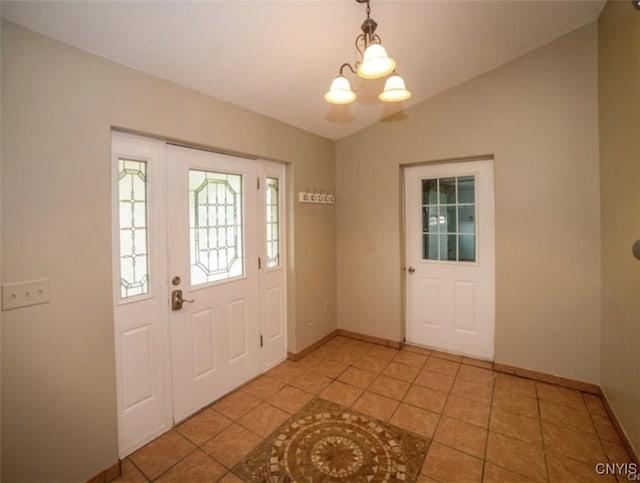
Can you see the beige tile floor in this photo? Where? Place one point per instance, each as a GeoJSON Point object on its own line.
{"type": "Point", "coordinates": [484, 425]}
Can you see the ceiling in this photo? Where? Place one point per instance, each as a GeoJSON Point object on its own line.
{"type": "Point", "coordinates": [278, 58]}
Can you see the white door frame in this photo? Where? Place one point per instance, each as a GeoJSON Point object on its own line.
{"type": "Point", "coordinates": [153, 151]}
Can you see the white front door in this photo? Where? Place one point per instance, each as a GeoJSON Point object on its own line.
{"type": "Point", "coordinates": [450, 257]}
{"type": "Point", "coordinates": [213, 261]}
{"type": "Point", "coordinates": [212, 227]}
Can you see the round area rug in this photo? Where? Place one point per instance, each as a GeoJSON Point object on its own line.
{"type": "Point", "coordinates": [326, 442]}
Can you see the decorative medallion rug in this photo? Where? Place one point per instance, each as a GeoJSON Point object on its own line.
{"type": "Point", "coordinates": [328, 442]}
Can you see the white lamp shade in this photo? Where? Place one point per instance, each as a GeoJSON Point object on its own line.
{"type": "Point", "coordinates": [395, 90]}
{"type": "Point", "coordinates": [340, 91]}
{"type": "Point", "coordinates": [375, 63]}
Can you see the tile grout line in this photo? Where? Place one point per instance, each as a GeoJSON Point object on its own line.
{"type": "Point", "coordinates": [137, 468]}
{"type": "Point", "coordinates": [591, 416]}
{"type": "Point", "coordinates": [489, 431]}
{"type": "Point", "coordinates": [466, 422]}
{"type": "Point", "coordinates": [486, 441]}
{"type": "Point", "coordinates": [180, 460]}
{"type": "Point", "coordinates": [401, 401]}
{"type": "Point", "coordinates": [435, 429]}
{"type": "Point", "coordinates": [368, 386]}
{"type": "Point", "coordinates": [411, 384]}
{"type": "Point", "coordinates": [544, 448]}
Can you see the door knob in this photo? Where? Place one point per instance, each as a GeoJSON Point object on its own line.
{"type": "Point", "coordinates": [177, 300]}
{"type": "Point", "coordinates": [411, 269]}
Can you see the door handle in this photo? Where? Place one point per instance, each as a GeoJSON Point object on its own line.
{"type": "Point", "coordinates": [411, 269]}
{"type": "Point", "coordinates": [177, 300]}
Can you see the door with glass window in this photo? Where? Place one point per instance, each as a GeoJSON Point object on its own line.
{"type": "Point", "coordinates": [199, 286]}
{"type": "Point", "coordinates": [143, 382]}
{"type": "Point", "coordinates": [450, 257]}
{"type": "Point", "coordinates": [213, 275]}
{"type": "Point", "coordinates": [272, 263]}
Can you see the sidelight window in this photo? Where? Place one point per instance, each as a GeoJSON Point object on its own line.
{"type": "Point", "coordinates": [133, 228]}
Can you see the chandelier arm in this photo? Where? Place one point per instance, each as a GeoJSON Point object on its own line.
{"type": "Point", "coordinates": [360, 37]}
{"type": "Point", "coordinates": [346, 64]}
{"type": "Point", "coordinates": [376, 37]}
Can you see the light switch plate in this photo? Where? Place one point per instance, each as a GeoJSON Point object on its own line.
{"type": "Point", "coordinates": [24, 294]}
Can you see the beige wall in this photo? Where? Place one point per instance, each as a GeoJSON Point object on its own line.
{"type": "Point", "coordinates": [619, 78]}
{"type": "Point", "coordinates": [58, 107]}
{"type": "Point", "coordinates": [538, 116]}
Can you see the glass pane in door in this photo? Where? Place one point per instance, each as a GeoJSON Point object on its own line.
{"type": "Point", "coordinates": [466, 189]}
{"type": "Point", "coordinates": [448, 219]}
{"type": "Point", "coordinates": [272, 206]}
{"type": "Point", "coordinates": [215, 226]}
{"type": "Point", "coordinates": [132, 220]}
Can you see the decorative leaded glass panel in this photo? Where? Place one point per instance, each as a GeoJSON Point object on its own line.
{"type": "Point", "coordinates": [448, 219]}
{"type": "Point", "coordinates": [215, 226]}
{"type": "Point", "coordinates": [273, 222]}
{"type": "Point", "coordinates": [133, 206]}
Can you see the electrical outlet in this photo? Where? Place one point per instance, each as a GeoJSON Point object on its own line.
{"type": "Point", "coordinates": [23, 294]}
{"type": "Point", "coordinates": [326, 307]}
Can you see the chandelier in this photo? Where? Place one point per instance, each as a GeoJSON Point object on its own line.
{"type": "Point", "coordinates": [375, 64]}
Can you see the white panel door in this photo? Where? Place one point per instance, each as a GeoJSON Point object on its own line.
{"type": "Point", "coordinates": [450, 257]}
{"type": "Point", "coordinates": [273, 273]}
{"type": "Point", "coordinates": [139, 288]}
{"type": "Point", "coordinates": [213, 261]}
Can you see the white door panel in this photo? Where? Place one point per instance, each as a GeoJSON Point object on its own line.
{"type": "Point", "coordinates": [140, 308]}
{"type": "Point", "coordinates": [273, 272]}
{"type": "Point", "coordinates": [450, 255]}
{"type": "Point", "coordinates": [213, 249]}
